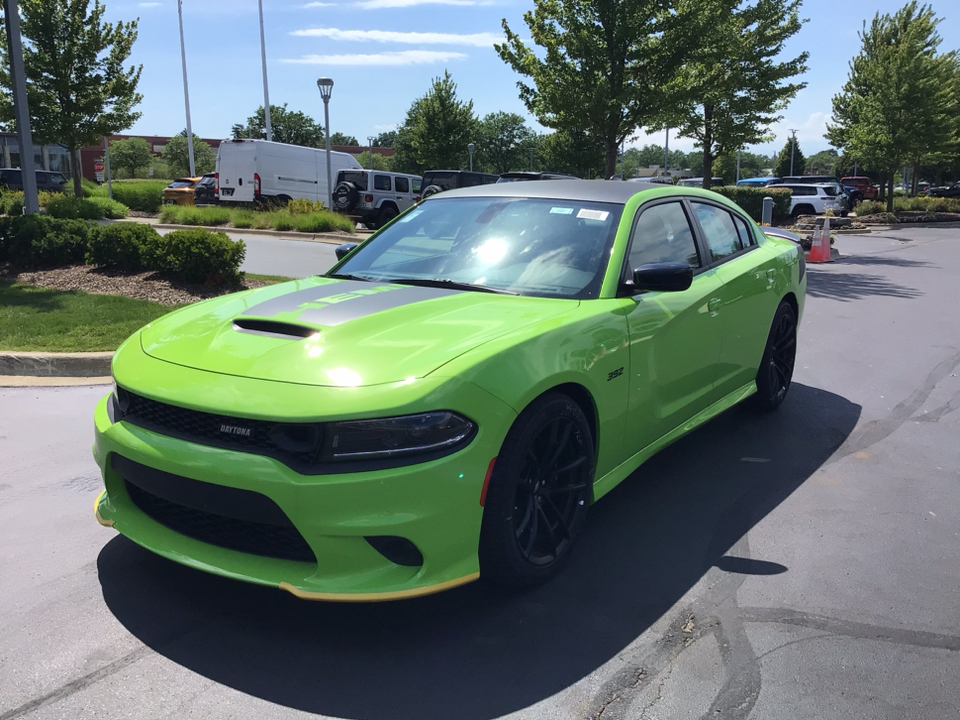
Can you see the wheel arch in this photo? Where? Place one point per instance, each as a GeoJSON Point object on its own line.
{"type": "Point", "coordinates": [584, 400]}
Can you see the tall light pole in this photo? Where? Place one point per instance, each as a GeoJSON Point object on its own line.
{"type": "Point", "coordinates": [666, 152]}
{"type": "Point", "coordinates": [266, 93]}
{"type": "Point", "coordinates": [370, 140]}
{"type": "Point", "coordinates": [531, 159]}
{"type": "Point", "coordinates": [470, 147]}
{"type": "Point", "coordinates": [186, 93]}
{"type": "Point", "coordinates": [326, 89]}
{"type": "Point", "coordinates": [793, 145]}
{"type": "Point", "coordinates": [738, 166]}
{"type": "Point", "coordinates": [11, 16]}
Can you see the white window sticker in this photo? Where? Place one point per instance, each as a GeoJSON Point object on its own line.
{"type": "Point", "coordinates": [593, 214]}
{"type": "Point", "coordinates": [561, 211]}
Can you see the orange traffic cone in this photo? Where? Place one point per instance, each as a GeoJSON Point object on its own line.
{"type": "Point", "coordinates": [820, 245]}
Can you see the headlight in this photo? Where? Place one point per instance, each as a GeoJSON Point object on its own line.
{"type": "Point", "coordinates": [431, 432]}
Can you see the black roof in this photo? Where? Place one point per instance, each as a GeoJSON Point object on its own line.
{"type": "Point", "coordinates": [610, 191]}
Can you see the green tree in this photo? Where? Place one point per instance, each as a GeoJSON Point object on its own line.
{"type": "Point", "coordinates": [437, 130]}
{"type": "Point", "coordinates": [379, 161]}
{"type": "Point", "coordinates": [176, 154]}
{"type": "Point", "coordinates": [823, 163]}
{"type": "Point", "coordinates": [286, 126]}
{"type": "Point", "coordinates": [78, 87]}
{"type": "Point", "coordinates": [729, 93]}
{"type": "Point", "coordinates": [572, 152]}
{"type": "Point", "coordinates": [900, 102]}
{"type": "Point", "coordinates": [603, 66]}
{"type": "Point", "coordinates": [751, 165]}
{"type": "Point", "coordinates": [385, 139]}
{"type": "Point", "coordinates": [131, 154]}
{"type": "Point", "coordinates": [503, 143]}
{"type": "Point", "coordinates": [784, 166]}
{"type": "Point", "coordinates": [343, 140]}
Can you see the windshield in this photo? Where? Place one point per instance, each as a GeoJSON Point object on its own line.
{"type": "Point", "coordinates": [539, 247]}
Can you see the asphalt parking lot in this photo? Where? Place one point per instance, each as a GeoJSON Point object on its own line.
{"type": "Point", "coordinates": [804, 564]}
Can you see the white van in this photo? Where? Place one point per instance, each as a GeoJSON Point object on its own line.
{"type": "Point", "coordinates": [258, 171]}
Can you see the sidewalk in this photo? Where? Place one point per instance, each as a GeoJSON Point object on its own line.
{"type": "Point", "coordinates": [333, 238]}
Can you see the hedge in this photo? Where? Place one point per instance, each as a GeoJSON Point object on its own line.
{"type": "Point", "coordinates": [122, 246]}
{"type": "Point", "coordinates": [39, 241]}
{"type": "Point", "coordinates": [751, 200]}
{"type": "Point", "coordinates": [93, 208]}
{"type": "Point", "coordinates": [198, 256]}
{"type": "Point", "coordinates": [904, 204]}
{"type": "Point", "coordinates": [143, 196]}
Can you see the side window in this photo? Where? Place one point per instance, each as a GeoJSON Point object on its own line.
{"type": "Point", "coordinates": [402, 184]}
{"type": "Point", "coordinates": [417, 185]}
{"type": "Point", "coordinates": [663, 234]}
{"type": "Point", "coordinates": [381, 182]}
{"type": "Point", "coordinates": [718, 227]}
{"type": "Point", "coordinates": [747, 238]}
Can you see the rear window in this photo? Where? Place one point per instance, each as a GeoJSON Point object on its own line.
{"type": "Point", "coordinates": [181, 184]}
{"type": "Point", "coordinates": [445, 180]}
{"type": "Point", "coordinates": [830, 191]}
{"type": "Point", "coordinates": [357, 177]}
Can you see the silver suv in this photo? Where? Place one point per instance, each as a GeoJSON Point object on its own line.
{"type": "Point", "coordinates": [813, 199]}
{"type": "Point", "coordinates": [374, 197]}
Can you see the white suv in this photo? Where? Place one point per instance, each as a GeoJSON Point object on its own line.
{"type": "Point", "coordinates": [813, 199]}
{"type": "Point", "coordinates": [374, 197]}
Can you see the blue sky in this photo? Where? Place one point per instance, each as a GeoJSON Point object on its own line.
{"type": "Point", "coordinates": [383, 54]}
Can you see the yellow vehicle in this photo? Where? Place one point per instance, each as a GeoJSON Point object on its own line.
{"type": "Point", "coordinates": [181, 191]}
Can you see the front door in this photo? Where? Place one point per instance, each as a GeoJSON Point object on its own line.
{"type": "Point", "coordinates": [674, 336]}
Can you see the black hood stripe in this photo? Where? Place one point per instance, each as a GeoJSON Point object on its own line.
{"type": "Point", "coordinates": [342, 301]}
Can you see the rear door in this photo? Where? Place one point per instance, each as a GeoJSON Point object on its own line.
{"type": "Point", "coordinates": [236, 165]}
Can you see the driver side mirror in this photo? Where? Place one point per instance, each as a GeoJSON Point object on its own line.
{"type": "Point", "coordinates": [666, 277]}
{"type": "Point", "coordinates": [343, 250]}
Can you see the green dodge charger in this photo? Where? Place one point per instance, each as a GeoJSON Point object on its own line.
{"type": "Point", "coordinates": [448, 401]}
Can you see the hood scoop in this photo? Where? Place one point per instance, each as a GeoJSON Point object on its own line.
{"type": "Point", "coordinates": [273, 328]}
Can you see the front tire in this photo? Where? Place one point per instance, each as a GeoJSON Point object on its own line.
{"type": "Point", "coordinates": [539, 493]}
{"type": "Point", "coordinates": [779, 357]}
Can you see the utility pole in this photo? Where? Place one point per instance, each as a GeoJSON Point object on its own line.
{"type": "Point", "coordinates": [793, 145]}
{"type": "Point", "coordinates": [186, 92]}
{"type": "Point", "coordinates": [666, 152]}
{"type": "Point", "coordinates": [11, 14]}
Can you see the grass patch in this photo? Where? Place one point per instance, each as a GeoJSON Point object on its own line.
{"type": "Point", "coordinates": [283, 219]}
{"type": "Point", "coordinates": [44, 320]}
{"type": "Point", "coordinates": [273, 279]}
{"type": "Point", "coordinates": [185, 215]}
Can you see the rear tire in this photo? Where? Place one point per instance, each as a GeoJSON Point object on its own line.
{"type": "Point", "coordinates": [779, 358]}
{"type": "Point", "coordinates": [539, 493]}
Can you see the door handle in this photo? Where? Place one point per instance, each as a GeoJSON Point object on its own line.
{"type": "Point", "coordinates": [714, 305]}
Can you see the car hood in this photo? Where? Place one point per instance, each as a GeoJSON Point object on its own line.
{"type": "Point", "coordinates": [323, 331]}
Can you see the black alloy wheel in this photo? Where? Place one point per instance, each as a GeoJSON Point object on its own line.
{"type": "Point", "coordinates": [539, 494]}
{"type": "Point", "coordinates": [776, 368]}
{"type": "Point", "coordinates": [387, 213]}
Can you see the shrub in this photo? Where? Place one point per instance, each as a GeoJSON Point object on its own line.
{"type": "Point", "coordinates": [185, 215]}
{"type": "Point", "coordinates": [40, 241]}
{"type": "Point", "coordinates": [282, 220]}
{"type": "Point", "coordinates": [11, 202]}
{"type": "Point", "coordinates": [198, 256]}
{"type": "Point", "coordinates": [140, 195]}
{"type": "Point", "coordinates": [112, 210]}
{"type": "Point", "coordinates": [914, 204]}
{"type": "Point", "coordinates": [302, 206]}
{"type": "Point", "coordinates": [750, 199]}
{"type": "Point", "coordinates": [92, 208]}
{"type": "Point", "coordinates": [122, 246]}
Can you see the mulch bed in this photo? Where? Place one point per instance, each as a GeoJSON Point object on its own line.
{"type": "Point", "coordinates": [142, 286]}
{"type": "Point", "coordinates": [909, 216]}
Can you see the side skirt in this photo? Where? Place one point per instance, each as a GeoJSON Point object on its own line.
{"type": "Point", "coordinates": [613, 478]}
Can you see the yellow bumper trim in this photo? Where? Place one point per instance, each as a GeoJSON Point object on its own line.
{"type": "Point", "coordinates": [380, 596]}
{"type": "Point", "coordinates": [96, 511]}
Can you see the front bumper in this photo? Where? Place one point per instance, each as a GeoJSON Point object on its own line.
{"type": "Point", "coordinates": [434, 505]}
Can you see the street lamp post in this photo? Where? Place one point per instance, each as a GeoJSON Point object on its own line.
{"type": "Point", "coordinates": [325, 86]}
{"type": "Point", "coordinates": [470, 147]}
{"type": "Point", "coordinates": [370, 146]}
{"type": "Point", "coordinates": [186, 92]}
{"type": "Point", "coordinates": [531, 159]}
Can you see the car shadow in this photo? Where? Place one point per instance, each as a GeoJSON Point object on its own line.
{"type": "Point", "coordinates": [480, 652]}
{"type": "Point", "coordinates": [848, 287]}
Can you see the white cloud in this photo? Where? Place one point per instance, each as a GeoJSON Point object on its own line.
{"type": "Point", "coordinates": [319, 4]}
{"type": "Point", "coordinates": [412, 38]}
{"type": "Point", "coordinates": [406, 57]}
{"type": "Point", "coordinates": [379, 4]}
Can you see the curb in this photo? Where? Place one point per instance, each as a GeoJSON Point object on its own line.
{"type": "Point", "coordinates": [38, 365]}
{"type": "Point", "coordinates": [28, 381]}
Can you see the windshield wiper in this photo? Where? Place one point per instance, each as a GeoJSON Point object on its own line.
{"type": "Point", "coordinates": [347, 276]}
{"type": "Point", "coordinates": [451, 284]}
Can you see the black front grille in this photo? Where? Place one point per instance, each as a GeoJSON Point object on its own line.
{"type": "Point", "coordinates": [231, 518]}
{"type": "Point", "coordinates": [294, 444]}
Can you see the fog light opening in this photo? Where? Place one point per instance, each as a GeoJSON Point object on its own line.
{"type": "Point", "coordinates": [397, 550]}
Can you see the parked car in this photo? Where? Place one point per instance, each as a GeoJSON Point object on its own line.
{"type": "Point", "coordinates": [181, 191]}
{"type": "Point", "coordinates": [449, 400]}
{"type": "Point", "coordinates": [655, 180]}
{"type": "Point", "coordinates": [531, 175]}
{"type": "Point", "coordinates": [867, 189]}
{"type": "Point", "coordinates": [47, 180]}
{"type": "Point", "coordinates": [205, 191]}
{"type": "Point", "coordinates": [813, 199]}
{"type": "Point", "coordinates": [262, 172]}
{"type": "Point", "coordinates": [698, 182]}
{"type": "Point", "coordinates": [949, 191]}
{"type": "Point", "coordinates": [435, 181]}
{"type": "Point", "coordinates": [374, 197]}
{"type": "Point", "coordinates": [757, 181]}
{"type": "Point", "coordinates": [848, 197]}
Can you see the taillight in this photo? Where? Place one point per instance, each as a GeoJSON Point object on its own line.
{"type": "Point", "coordinates": [418, 198]}
{"type": "Point", "coordinates": [368, 198]}
{"type": "Point", "coordinates": [216, 186]}
{"type": "Point", "coordinates": [256, 183]}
